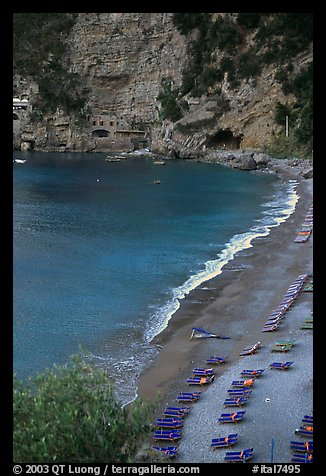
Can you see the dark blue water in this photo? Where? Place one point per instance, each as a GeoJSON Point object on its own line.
{"type": "Point", "coordinates": [103, 257]}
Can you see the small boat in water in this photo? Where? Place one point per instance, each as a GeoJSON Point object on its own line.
{"type": "Point", "coordinates": [20, 161]}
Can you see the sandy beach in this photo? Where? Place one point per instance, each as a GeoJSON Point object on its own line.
{"type": "Point", "coordinates": [237, 304]}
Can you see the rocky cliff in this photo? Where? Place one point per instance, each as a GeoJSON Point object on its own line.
{"type": "Point", "coordinates": [125, 60]}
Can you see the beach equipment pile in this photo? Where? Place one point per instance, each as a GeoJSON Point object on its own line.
{"type": "Point", "coordinates": [306, 227]}
{"type": "Point", "coordinates": [287, 300]}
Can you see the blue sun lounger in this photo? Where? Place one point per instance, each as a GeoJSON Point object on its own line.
{"type": "Point", "coordinates": [246, 392]}
{"type": "Point", "coordinates": [169, 451]}
{"type": "Point", "coordinates": [166, 435]}
{"type": "Point", "coordinates": [281, 365]}
{"type": "Point", "coordinates": [188, 397]}
{"type": "Point", "coordinates": [242, 383]}
{"type": "Point", "coordinates": [231, 417]}
{"type": "Point", "coordinates": [251, 349]}
{"type": "Point", "coordinates": [239, 456]}
{"type": "Point", "coordinates": [215, 360]}
{"type": "Point", "coordinates": [307, 419]}
{"type": "Point", "coordinates": [252, 373]}
{"type": "Point", "coordinates": [177, 411]}
{"type": "Point", "coordinates": [200, 380]}
{"type": "Point", "coordinates": [169, 422]}
{"type": "Point", "coordinates": [202, 372]}
{"type": "Point", "coordinates": [225, 441]}
{"type": "Point", "coordinates": [302, 458]}
{"type": "Point", "coordinates": [305, 431]}
{"type": "Point", "coordinates": [235, 401]}
{"type": "Point", "coordinates": [302, 446]}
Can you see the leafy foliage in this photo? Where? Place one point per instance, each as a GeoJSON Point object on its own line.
{"type": "Point", "coordinates": [170, 108]}
{"type": "Point", "coordinates": [186, 22]}
{"type": "Point", "coordinates": [249, 20]}
{"type": "Point", "coordinates": [38, 50]}
{"type": "Point", "coordinates": [277, 38]}
{"type": "Point", "coordinates": [69, 413]}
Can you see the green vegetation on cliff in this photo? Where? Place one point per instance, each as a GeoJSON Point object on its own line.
{"type": "Point", "coordinates": [38, 51]}
{"type": "Point", "coordinates": [246, 43]}
{"type": "Point", "coordinates": [69, 413]}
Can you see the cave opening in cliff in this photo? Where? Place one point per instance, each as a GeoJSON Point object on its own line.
{"type": "Point", "coordinates": [100, 133]}
{"type": "Point", "coordinates": [224, 139]}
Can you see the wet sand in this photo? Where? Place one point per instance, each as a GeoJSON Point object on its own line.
{"type": "Point", "coordinates": [236, 303]}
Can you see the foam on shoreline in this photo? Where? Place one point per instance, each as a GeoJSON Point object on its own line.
{"type": "Point", "coordinates": [276, 211]}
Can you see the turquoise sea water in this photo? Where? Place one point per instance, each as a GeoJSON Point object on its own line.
{"type": "Point", "coordinates": [103, 256]}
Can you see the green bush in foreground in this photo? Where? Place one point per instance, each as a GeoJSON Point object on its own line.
{"type": "Point", "coordinates": [69, 414]}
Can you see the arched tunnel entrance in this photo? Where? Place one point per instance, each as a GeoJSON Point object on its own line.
{"type": "Point", "coordinates": [224, 139]}
{"type": "Point", "coordinates": [100, 133]}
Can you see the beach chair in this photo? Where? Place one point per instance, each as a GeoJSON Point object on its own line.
{"type": "Point", "coordinates": [235, 401]}
{"type": "Point", "coordinates": [302, 446]}
{"type": "Point", "coordinates": [300, 239]}
{"type": "Point", "coordinates": [302, 458]}
{"type": "Point", "coordinates": [243, 383]}
{"type": "Point", "coordinates": [166, 435]}
{"type": "Point", "coordinates": [307, 420]}
{"type": "Point", "coordinates": [224, 442]}
{"type": "Point", "coordinates": [188, 397]}
{"type": "Point", "coordinates": [239, 456]}
{"type": "Point", "coordinates": [169, 423]}
{"type": "Point", "coordinates": [253, 373]}
{"type": "Point", "coordinates": [251, 349]}
{"type": "Point", "coordinates": [309, 319]}
{"type": "Point", "coordinates": [200, 380]}
{"type": "Point", "coordinates": [281, 365]}
{"type": "Point", "coordinates": [231, 417]}
{"type": "Point", "coordinates": [202, 372]}
{"type": "Point", "coordinates": [281, 348]}
{"type": "Point", "coordinates": [169, 451]}
{"type": "Point", "coordinates": [275, 319]}
{"type": "Point", "coordinates": [286, 342]}
{"type": "Point", "coordinates": [177, 411]}
{"type": "Point", "coordinates": [307, 325]}
{"type": "Point", "coordinates": [245, 392]}
{"type": "Point", "coordinates": [215, 360]}
{"type": "Point", "coordinates": [270, 327]}
{"type": "Point", "coordinates": [305, 431]}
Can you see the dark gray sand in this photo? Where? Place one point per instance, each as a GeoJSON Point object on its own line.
{"type": "Point", "coordinates": [237, 304]}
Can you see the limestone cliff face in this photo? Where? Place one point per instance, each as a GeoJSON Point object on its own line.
{"type": "Point", "coordinates": [122, 59]}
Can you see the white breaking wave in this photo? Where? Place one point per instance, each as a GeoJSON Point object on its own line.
{"type": "Point", "coordinates": [276, 211]}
